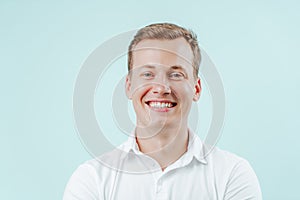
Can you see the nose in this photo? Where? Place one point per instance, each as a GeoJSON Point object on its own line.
{"type": "Point", "coordinates": [161, 88]}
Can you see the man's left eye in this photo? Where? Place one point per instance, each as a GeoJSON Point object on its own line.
{"type": "Point", "coordinates": [176, 75]}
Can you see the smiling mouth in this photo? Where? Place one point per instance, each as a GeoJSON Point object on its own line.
{"type": "Point", "coordinates": [161, 104]}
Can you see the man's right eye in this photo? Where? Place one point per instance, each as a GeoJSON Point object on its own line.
{"type": "Point", "coordinates": [147, 75]}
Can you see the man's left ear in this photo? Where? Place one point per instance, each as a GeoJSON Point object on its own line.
{"type": "Point", "coordinates": [197, 89]}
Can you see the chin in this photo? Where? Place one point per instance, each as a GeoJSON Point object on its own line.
{"type": "Point", "coordinates": [164, 123]}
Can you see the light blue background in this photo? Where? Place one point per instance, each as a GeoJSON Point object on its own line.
{"type": "Point", "coordinates": [255, 45]}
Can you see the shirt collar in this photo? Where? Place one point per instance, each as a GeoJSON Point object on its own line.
{"type": "Point", "coordinates": [195, 147]}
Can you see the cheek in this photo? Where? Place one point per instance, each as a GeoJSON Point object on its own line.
{"type": "Point", "coordinates": [139, 91]}
{"type": "Point", "coordinates": [185, 96]}
{"type": "Point", "coordinates": [183, 89]}
{"type": "Point", "coordinates": [137, 84]}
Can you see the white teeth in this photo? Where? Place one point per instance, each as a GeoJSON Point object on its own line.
{"type": "Point", "coordinates": [160, 105]}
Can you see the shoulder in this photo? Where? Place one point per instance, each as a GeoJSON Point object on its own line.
{"type": "Point", "coordinates": [83, 183]}
{"type": "Point", "coordinates": [88, 180]}
{"type": "Point", "coordinates": [219, 155]}
{"type": "Point", "coordinates": [241, 180]}
{"type": "Point", "coordinates": [228, 163]}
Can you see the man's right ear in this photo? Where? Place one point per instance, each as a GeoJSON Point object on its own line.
{"type": "Point", "coordinates": [128, 87]}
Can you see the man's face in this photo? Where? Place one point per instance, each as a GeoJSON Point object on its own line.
{"type": "Point", "coordinates": [161, 83]}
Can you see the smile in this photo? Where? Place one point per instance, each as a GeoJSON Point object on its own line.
{"type": "Point", "coordinates": [161, 104]}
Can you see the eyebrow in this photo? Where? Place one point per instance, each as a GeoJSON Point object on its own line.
{"type": "Point", "coordinates": [148, 66]}
{"type": "Point", "coordinates": [176, 67]}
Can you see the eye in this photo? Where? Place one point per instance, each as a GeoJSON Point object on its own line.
{"type": "Point", "coordinates": [147, 75]}
{"type": "Point", "coordinates": [176, 75]}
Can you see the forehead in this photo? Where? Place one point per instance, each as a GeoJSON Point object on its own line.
{"type": "Point", "coordinates": [163, 52]}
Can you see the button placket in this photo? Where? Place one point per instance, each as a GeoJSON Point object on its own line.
{"type": "Point", "coordinates": [159, 186]}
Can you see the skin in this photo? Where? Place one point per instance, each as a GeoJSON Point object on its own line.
{"type": "Point", "coordinates": [162, 73]}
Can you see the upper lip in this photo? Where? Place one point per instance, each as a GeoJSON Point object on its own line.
{"type": "Point", "coordinates": [160, 100]}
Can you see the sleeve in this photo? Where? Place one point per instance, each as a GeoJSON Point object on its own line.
{"type": "Point", "coordinates": [83, 184]}
{"type": "Point", "coordinates": [243, 183]}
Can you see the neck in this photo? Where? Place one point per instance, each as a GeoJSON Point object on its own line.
{"type": "Point", "coordinates": [165, 145]}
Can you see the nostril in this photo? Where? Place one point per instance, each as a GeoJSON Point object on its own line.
{"type": "Point", "coordinates": [161, 89]}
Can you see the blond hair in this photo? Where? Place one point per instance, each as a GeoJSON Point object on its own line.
{"type": "Point", "coordinates": [166, 31]}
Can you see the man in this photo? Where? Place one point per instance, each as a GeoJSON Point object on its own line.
{"type": "Point", "coordinates": [163, 159]}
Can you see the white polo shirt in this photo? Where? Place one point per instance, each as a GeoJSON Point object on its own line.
{"type": "Point", "coordinates": [126, 173]}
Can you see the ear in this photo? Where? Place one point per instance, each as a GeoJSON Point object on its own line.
{"type": "Point", "coordinates": [197, 89]}
{"type": "Point", "coordinates": [128, 87]}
